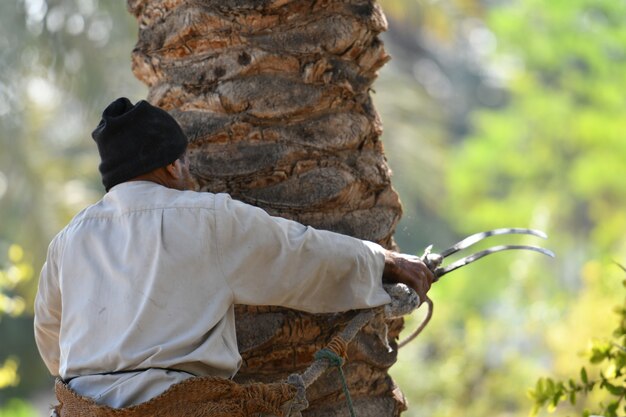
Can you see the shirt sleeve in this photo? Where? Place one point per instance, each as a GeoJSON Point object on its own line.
{"type": "Point", "coordinates": [48, 313]}
{"type": "Point", "coordinates": [269, 260]}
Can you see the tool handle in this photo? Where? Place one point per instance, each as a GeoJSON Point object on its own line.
{"type": "Point", "coordinates": [416, 332]}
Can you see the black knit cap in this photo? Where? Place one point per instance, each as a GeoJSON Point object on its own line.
{"type": "Point", "coordinates": [136, 139]}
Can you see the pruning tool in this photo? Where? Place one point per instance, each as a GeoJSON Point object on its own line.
{"type": "Point", "coordinates": [434, 261]}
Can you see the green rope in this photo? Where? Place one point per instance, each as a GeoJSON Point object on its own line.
{"type": "Point", "coordinates": [336, 360]}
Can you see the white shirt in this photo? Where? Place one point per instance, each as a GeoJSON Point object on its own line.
{"type": "Point", "coordinates": [148, 276]}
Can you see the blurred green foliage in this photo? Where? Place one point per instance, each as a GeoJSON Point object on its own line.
{"type": "Point", "coordinates": [16, 273]}
{"type": "Point", "coordinates": [496, 113]}
{"type": "Point", "coordinates": [609, 353]}
{"type": "Point", "coordinates": [550, 155]}
{"type": "Point", "coordinates": [16, 407]}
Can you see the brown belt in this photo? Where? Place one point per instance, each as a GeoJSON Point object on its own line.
{"type": "Point", "coordinates": [193, 397]}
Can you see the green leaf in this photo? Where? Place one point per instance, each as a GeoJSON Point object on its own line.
{"type": "Point", "coordinates": [611, 409]}
{"type": "Point", "coordinates": [597, 355]}
{"type": "Point", "coordinates": [615, 390]}
{"type": "Point", "coordinates": [583, 375]}
{"type": "Point", "coordinates": [540, 388]}
{"type": "Point", "coordinates": [549, 386]}
{"type": "Point", "coordinates": [572, 383]}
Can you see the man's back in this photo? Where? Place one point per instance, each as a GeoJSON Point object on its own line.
{"type": "Point", "coordinates": [147, 278]}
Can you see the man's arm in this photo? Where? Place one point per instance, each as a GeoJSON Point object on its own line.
{"type": "Point", "coordinates": [270, 260]}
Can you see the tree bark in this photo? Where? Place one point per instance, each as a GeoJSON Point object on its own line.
{"type": "Point", "coordinates": [275, 99]}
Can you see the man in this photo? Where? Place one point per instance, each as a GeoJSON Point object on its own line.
{"type": "Point", "coordinates": [137, 292]}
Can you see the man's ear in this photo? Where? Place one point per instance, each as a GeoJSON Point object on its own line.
{"type": "Point", "coordinates": [174, 169]}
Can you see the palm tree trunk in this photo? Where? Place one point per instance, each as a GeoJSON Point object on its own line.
{"type": "Point", "coordinates": [274, 96]}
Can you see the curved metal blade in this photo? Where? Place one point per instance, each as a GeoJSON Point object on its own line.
{"type": "Point", "coordinates": [470, 240]}
{"type": "Point", "coordinates": [471, 258]}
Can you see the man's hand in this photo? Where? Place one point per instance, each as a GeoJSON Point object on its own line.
{"type": "Point", "coordinates": [408, 270]}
